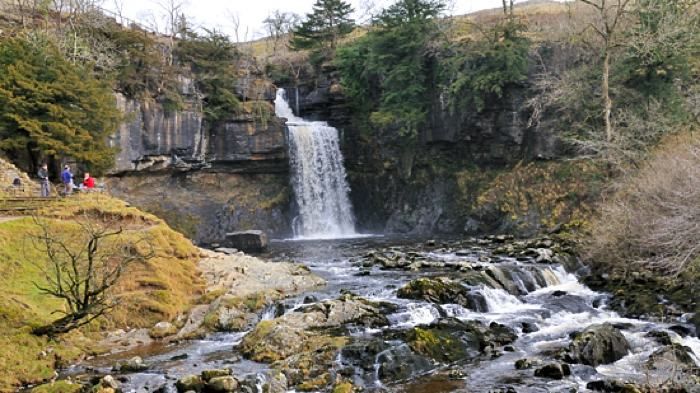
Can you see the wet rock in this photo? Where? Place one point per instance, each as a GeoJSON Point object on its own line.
{"type": "Point", "coordinates": [660, 337]}
{"type": "Point", "coordinates": [310, 299]}
{"type": "Point", "coordinates": [109, 382]}
{"type": "Point", "coordinates": [209, 374]}
{"type": "Point", "coordinates": [524, 364]}
{"type": "Point", "coordinates": [133, 365]}
{"type": "Point", "coordinates": [598, 344]}
{"type": "Point", "coordinates": [271, 381]}
{"type": "Point", "coordinates": [682, 331]}
{"type": "Point", "coordinates": [247, 241]}
{"type": "Point", "coordinates": [292, 333]}
{"type": "Point", "coordinates": [671, 357]}
{"type": "Point", "coordinates": [450, 339]}
{"type": "Point", "coordinates": [362, 353]}
{"type": "Point", "coordinates": [611, 386]}
{"type": "Point", "coordinates": [400, 363]}
{"type": "Point", "coordinates": [223, 384]}
{"type": "Point", "coordinates": [443, 344]}
{"type": "Point", "coordinates": [162, 329]}
{"type": "Point", "coordinates": [443, 290]}
{"type": "Point", "coordinates": [529, 327]}
{"type": "Point", "coordinates": [553, 371]}
{"type": "Point", "coordinates": [189, 383]}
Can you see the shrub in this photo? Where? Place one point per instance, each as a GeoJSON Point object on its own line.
{"type": "Point", "coordinates": [651, 222]}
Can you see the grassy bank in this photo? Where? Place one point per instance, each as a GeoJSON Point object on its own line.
{"type": "Point", "coordinates": [156, 290]}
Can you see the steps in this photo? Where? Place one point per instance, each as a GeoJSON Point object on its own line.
{"type": "Point", "coordinates": [22, 205]}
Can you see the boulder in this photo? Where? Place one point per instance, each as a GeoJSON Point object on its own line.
{"type": "Point", "coordinates": [223, 384]}
{"type": "Point", "coordinates": [598, 344]}
{"type": "Point", "coordinates": [524, 364]}
{"type": "Point", "coordinates": [400, 363]}
{"type": "Point", "coordinates": [190, 383]}
{"type": "Point", "coordinates": [133, 365]}
{"type": "Point", "coordinates": [671, 357]}
{"type": "Point", "coordinates": [442, 290]}
{"type": "Point", "coordinates": [210, 374]}
{"type": "Point", "coordinates": [289, 334]}
{"type": "Point", "coordinates": [108, 381]}
{"type": "Point", "coordinates": [247, 241]}
{"type": "Point", "coordinates": [553, 371]}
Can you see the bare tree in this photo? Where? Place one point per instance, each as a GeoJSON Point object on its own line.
{"type": "Point", "coordinates": [609, 16]}
{"type": "Point", "coordinates": [235, 18]}
{"type": "Point", "coordinates": [172, 10]}
{"type": "Point", "coordinates": [81, 269]}
{"type": "Point", "coordinates": [278, 24]}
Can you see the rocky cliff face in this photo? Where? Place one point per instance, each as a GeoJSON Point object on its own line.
{"type": "Point", "coordinates": [206, 179]}
{"type": "Point", "coordinates": [434, 186]}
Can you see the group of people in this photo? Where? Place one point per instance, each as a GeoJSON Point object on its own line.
{"type": "Point", "coordinates": [67, 179]}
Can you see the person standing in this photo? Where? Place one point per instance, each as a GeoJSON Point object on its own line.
{"type": "Point", "coordinates": [44, 180]}
{"type": "Point", "coordinates": [67, 179]}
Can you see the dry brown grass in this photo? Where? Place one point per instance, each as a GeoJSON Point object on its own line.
{"type": "Point", "coordinates": [653, 220]}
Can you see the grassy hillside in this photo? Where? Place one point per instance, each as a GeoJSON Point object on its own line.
{"type": "Point", "coordinates": [157, 290]}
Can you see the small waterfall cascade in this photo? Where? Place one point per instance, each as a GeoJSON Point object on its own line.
{"type": "Point", "coordinates": [318, 177]}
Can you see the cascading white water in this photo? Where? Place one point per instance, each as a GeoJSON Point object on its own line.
{"type": "Point", "coordinates": [318, 177]}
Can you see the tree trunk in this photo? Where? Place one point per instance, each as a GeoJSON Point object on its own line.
{"type": "Point", "coordinates": [607, 102]}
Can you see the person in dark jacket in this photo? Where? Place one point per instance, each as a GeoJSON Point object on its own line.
{"type": "Point", "coordinates": [67, 179]}
{"type": "Point", "coordinates": [44, 180]}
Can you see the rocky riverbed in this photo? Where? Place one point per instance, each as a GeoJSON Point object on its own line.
{"type": "Point", "coordinates": [399, 315]}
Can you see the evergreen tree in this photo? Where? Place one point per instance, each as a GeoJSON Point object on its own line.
{"type": "Point", "coordinates": [393, 60]}
{"type": "Point", "coordinates": [52, 108]}
{"type": "Point", "coordinates": [324, 27]}
{"type": "Point", "coordinates": [213, 58]}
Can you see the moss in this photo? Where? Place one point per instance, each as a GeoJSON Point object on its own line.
{"type": "Point", "coordinates": [436, 344]}
{"type": "Point", "coordinates": [58, 387]}
{"type": "Point", "coordinates": [343, 387]}
{"type": "Point", "coordinates": [544, 195]}
{"type": "Point", "coordinates": [315, 384]}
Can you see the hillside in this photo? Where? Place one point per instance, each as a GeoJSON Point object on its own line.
{"type": "Point", "coordinates": [159, 290]}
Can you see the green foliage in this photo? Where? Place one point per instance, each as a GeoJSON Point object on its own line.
{"type": "Point", "coordinates": [328, 22]}
{"type": "Point", "coordinates": [213, 58]}
{"type": "Point", "coordinates": [476, 72]}
{"type": "Point", "coordinates": [141, 69]}
{"type": "Point", "coordinates": [50, 107]}
{"type": "Point", "coordinates": [387, 74]}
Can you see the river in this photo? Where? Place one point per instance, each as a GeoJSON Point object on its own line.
{"type": "Point", "coordinates": [543, 304]}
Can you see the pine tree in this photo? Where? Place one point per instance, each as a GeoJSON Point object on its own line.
{"type": "Point", "coordinates": [52, 108]}
{"type": "Point", "coordinates": [324, 27]}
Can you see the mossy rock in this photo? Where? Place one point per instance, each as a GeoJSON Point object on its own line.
{"type": "Point", "coordinates": [343, 387]}
{"type": "Point", "coordinates": [58, 387]}
{"type": "Point", "coordinates": [442, 290]}
{"type": "Point", "coordinates": [599, 344]}
{"type": "Point", "coordinates": [439, 345]}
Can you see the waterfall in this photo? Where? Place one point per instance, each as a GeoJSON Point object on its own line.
{"type": "Point", "coordinates": [318, 177]}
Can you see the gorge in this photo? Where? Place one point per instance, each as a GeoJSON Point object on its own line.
{"type": "Point", "coordinates": [499, 202]}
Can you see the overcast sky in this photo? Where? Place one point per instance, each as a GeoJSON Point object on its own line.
{"type": "Point", "coordinates": [217, 13]}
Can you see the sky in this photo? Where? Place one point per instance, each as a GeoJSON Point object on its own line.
{"type": "Point", "coordinates": [219, 14]}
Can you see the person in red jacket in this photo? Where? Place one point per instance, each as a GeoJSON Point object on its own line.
{"type": "Point", "coordinates": [88, 182]}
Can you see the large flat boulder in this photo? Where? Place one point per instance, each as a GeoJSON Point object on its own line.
{"type": "Point", "coordinates": [247, 241]}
